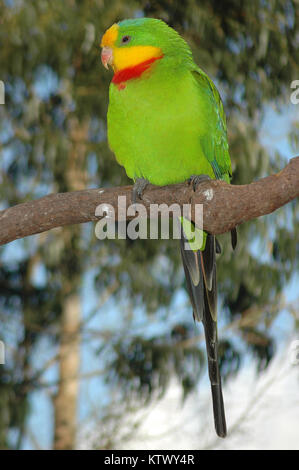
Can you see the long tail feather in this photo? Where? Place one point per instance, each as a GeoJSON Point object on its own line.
{"type": "Point", "coordinates": [203, 297]}
{"type": "Point", "coordinates": [210, 327]}
{"type": "Point", "coordinates": [195, 291]}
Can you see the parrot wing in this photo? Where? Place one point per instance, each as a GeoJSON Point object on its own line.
{"type": "Point", "coordinates": [215, 148]}
{"type": "Point", "coordinates": [214, 143]}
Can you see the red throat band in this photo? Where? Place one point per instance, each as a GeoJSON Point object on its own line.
{"type": "Point", "coordinates": [133, 72]}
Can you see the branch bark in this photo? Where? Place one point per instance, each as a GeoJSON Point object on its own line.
{"type": "Point", "coordinates": [224, 206]}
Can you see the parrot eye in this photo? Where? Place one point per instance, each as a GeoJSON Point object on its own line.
{"type": "Point", "coordinates": [125, 39]}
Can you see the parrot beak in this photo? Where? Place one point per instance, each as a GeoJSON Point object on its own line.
{"type": "Point", "coordinates": [107, 56]}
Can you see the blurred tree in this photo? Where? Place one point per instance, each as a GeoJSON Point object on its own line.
{"type": "Point", "coordinates": [53, 138]}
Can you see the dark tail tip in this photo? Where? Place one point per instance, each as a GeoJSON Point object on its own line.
{"type": "Point", "coordinates": [234, 238]}
{"type": "Point", "coordinates": [218, 408]}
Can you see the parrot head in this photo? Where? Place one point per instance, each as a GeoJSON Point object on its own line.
{"type": "Point", "coordinates": [133, 45]}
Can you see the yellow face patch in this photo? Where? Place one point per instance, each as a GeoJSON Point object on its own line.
{"type": "Point", "coordinates": [131, 56]}
{"type": "Point", "coordinates": [110, 36]}
{"type": "Point", "coordinates": [124, 57]}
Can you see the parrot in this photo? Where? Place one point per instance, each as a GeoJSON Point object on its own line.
{"type": "Point", "coordinates": [166, 125]}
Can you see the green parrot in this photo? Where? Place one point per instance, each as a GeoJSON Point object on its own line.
{"type": "Point", "coordinates": [166, 125]}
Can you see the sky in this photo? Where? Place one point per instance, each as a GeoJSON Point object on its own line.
{"type": "Point", "coordinates": [262, 413]}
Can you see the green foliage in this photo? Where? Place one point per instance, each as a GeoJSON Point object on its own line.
{"type": "Point", "coordinates": [143, 366]}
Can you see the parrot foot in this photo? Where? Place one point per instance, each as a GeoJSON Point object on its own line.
{"type": "Point", "coordinates": [196, 180]}
{"type": "Point", "coordinates": [138, 189]}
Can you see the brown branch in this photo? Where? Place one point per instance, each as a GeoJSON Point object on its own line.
{"type": "Point", "coordinates": [224, 206]}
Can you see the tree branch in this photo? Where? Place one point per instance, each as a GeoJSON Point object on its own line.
{"type": "Point", "coordinates": [224, 206]}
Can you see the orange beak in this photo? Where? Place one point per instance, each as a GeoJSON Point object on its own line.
{"type": "Point", "coordinates": [107, 56]}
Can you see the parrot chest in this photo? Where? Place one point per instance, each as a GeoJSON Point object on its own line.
{"type": "Point", "coordinates": [155, 130]}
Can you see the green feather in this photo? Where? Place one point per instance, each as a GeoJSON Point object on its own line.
{"type": "Point", "coordinates": [166, 126]}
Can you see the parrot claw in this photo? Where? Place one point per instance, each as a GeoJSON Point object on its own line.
{"type": "Point", "coordinates": [138, 189]}
{"type": "Point", "coordinates": [196, 180]}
